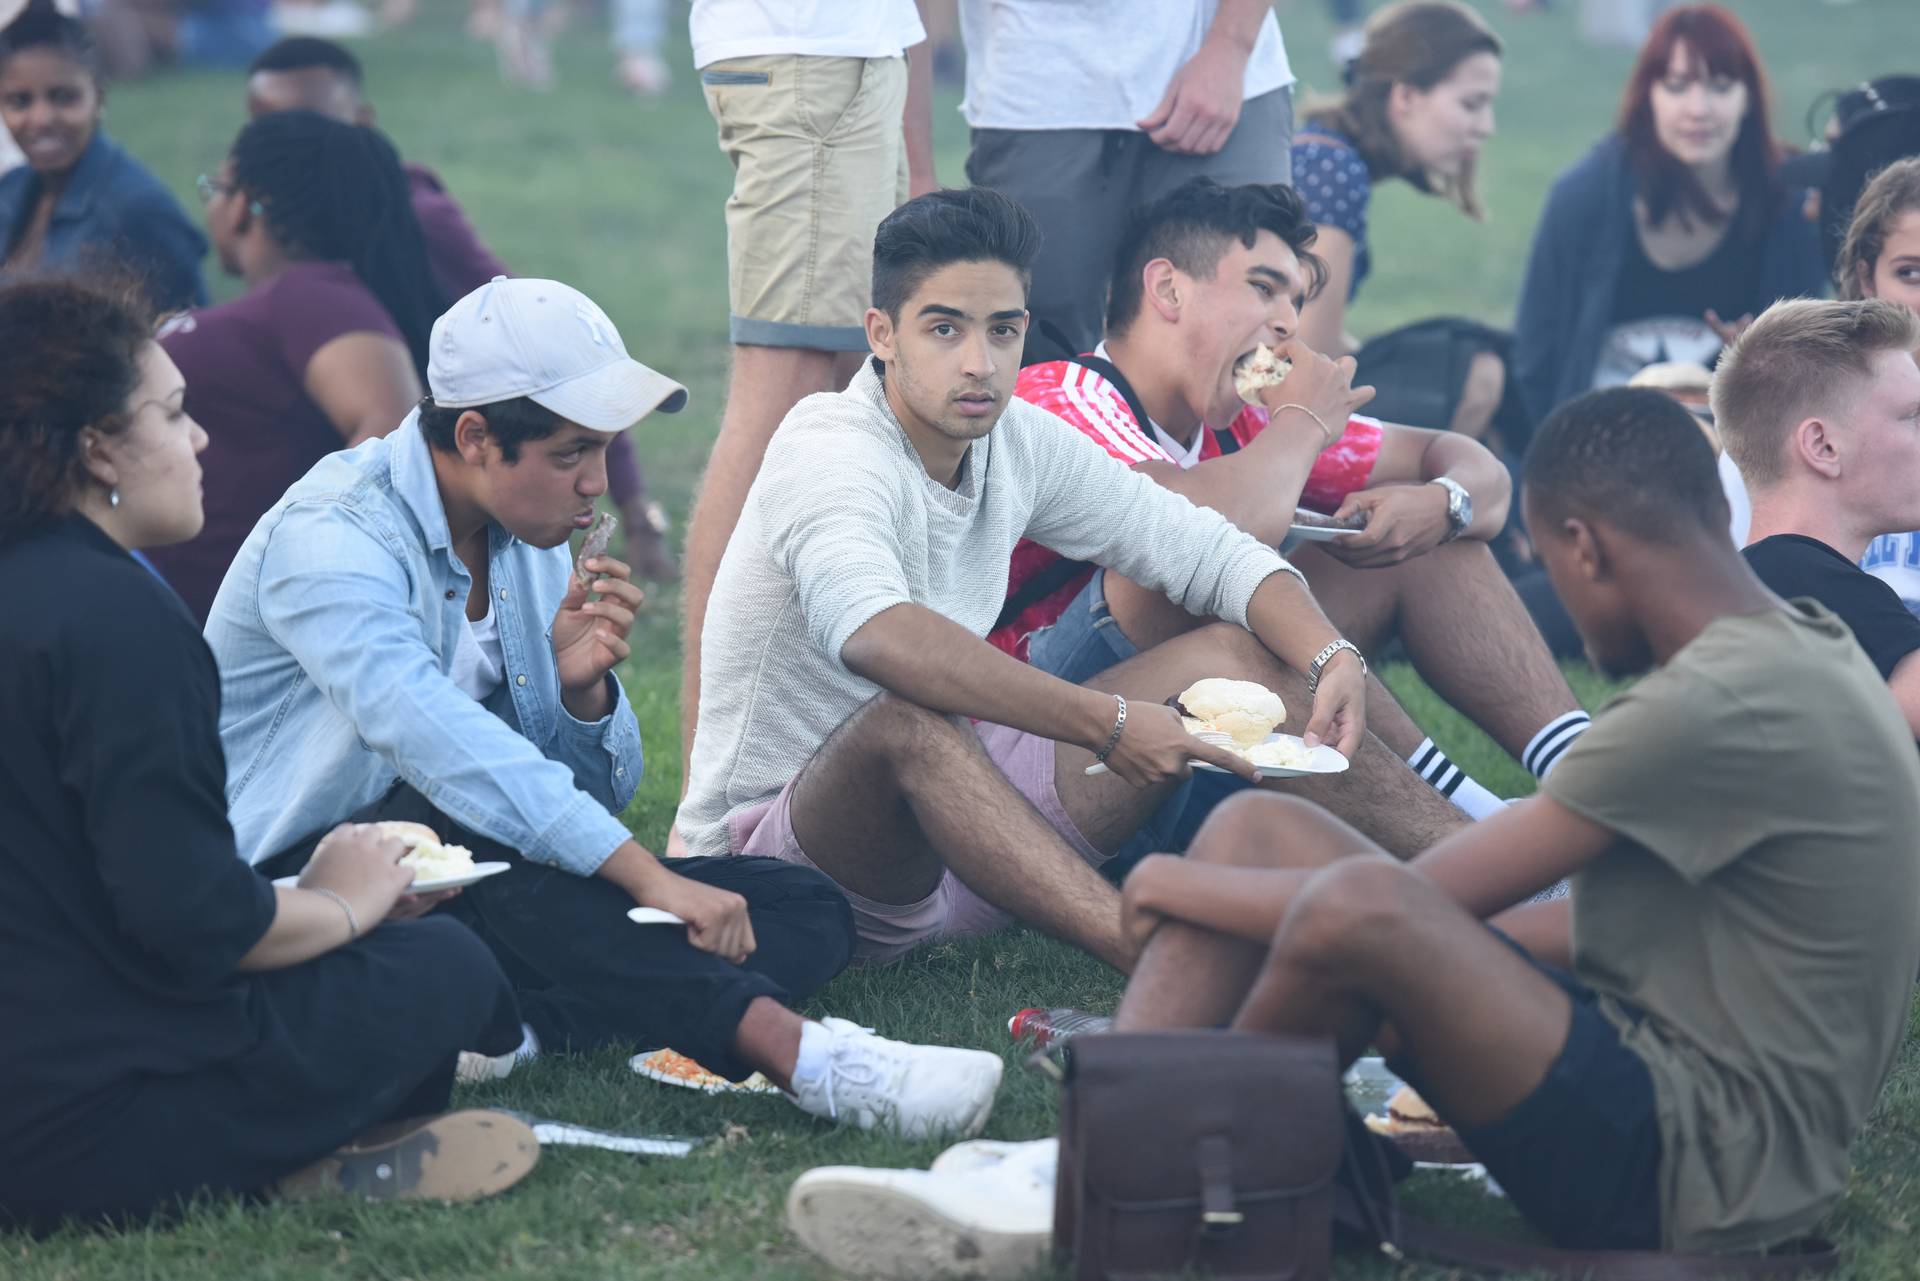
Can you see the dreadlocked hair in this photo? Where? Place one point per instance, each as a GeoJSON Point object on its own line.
{"type": "Point", "coordinates": [335, 192]}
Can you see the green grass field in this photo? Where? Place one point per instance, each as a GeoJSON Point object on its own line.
{"type": "Point", "coordinates": [624, 201]}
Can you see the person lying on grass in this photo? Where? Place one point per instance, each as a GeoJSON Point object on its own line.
{"type": "Point", "coordinates": [1680, 1058]}
{"type": "Point", "coordinates": [870, 564]}
{"type": "Point", "coordinates": [176, 1025]}
{"type": "Point", "coordinates": [403, 637]}
{"type": "Point", "coordinates": [1204, 277]}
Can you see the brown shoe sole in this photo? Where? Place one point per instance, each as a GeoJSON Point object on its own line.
{"type": "Point", "coordinates": [457, 1156]}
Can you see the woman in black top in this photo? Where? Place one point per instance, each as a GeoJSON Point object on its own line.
{"type": "Point", "coordinates": [175, 1023]}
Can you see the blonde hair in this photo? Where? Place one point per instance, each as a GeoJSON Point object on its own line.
{"type": "Point", "coordinates": [1802, 359]}
{"type": "Point", "coordinates": [1418, 43]}
{"type": "Point", "coordinates": [1894, 191]}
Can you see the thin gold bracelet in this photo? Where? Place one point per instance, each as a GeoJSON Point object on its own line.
{"type": "Point", "coordinates": [1326, 432]}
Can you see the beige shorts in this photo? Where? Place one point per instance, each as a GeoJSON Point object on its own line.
{"type": "Point", "coordinates": [819, 159]}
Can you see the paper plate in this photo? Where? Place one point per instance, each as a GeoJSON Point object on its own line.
{"type": "Point", "coordinates": [660, 1066]}
{"type": "Point", "coordinates": [480, 872]}
{"type": "Point", "coordinates": [1320, 760]}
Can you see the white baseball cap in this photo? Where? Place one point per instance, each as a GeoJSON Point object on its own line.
{"type": "Point", "coordinates": [550, 343]}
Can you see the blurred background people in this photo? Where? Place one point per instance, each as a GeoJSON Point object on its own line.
{"type": "Point", "coordinates": [1673, 230]}
{"type": "Point", "coordinates": [80, 199]}
{"type": "Point", "coordinates": [327, 347]}
{"type": "Point", "coordinates": [1418, 107]}
{"type": "Point", "coordinates": [1880, 258]}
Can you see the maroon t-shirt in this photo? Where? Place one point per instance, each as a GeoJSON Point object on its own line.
{"type": "Point", "coordinates": [460, 263]}
{"type": "Point", "coordinates": [245, 363]}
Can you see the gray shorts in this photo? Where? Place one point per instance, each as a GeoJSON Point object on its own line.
{"type": "Point", "coordinates": [1081, 185]}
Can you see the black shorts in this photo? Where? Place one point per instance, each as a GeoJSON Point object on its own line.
{"type": "Point", "coordinates": [1580, 1156]}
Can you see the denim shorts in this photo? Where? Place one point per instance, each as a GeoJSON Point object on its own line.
{"type": "Point", "coordinates": [1085, 641]}
{"type": "Point", "coordinates": [1580, 1156]}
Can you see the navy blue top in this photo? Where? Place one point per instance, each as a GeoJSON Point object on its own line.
{"type": "Point", "coordinates": [113, 211]}
{"type": "Point", "coordinates": [1579, 253]}
{"type": "Point", "coordinates": [1336, 187]}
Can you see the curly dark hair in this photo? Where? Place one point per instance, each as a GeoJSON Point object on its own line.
{"type": "Point", "coordinates": [69, 359]}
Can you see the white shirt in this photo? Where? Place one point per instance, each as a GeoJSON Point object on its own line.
{"type": "Point", "coordinates": [1091, 64]}
{"type": "Point", "coordinates": [820, 28]}
{"type": "Point", "coordinates": [843, 522]}
{"type": "Point", "coordinates": [478, 664]}
{"type": "Point", "coordinates": [1894, 559]}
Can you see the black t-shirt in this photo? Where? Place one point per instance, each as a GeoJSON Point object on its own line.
{"type": "Point", "coordinates": [123, 904]}
{"type": "Point", "coordinates": [1795, 565]}
{"type": "Point", "coordinates": [1660, 315]}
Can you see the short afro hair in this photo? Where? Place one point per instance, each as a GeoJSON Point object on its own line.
{"type": "Point", "coordinates": [308, 53]}
{"type": "Point", "coordinates": [1632, 457]}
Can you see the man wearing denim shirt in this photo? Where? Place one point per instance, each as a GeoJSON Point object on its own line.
{"type": "Point", "coordinates": [401, 637]}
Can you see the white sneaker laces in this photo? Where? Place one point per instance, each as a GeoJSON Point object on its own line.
{"type": "Point", "coordinates": [857, 1060]}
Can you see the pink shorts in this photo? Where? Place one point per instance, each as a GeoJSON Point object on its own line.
{"type": "Point", "coordinates": [889, 931]}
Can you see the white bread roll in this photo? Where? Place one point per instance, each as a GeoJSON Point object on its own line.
{"type": "Point", "coordinates": [1244, 711]}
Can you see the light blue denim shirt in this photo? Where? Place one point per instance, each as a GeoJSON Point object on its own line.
{"type": "Point", "coordinates": [335, 630]}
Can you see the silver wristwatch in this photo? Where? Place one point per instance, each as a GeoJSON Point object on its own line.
{"type": "Point", "coordinates": [1325, 656]}
{"type": "Point", "coordinates": [1459, 506]}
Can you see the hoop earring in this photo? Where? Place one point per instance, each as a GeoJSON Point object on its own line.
{"type": "Point", "coordinates": [113, 496]}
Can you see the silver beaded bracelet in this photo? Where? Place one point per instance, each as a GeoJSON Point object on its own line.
{"type": "Point", "coordinates": [1113, 739]}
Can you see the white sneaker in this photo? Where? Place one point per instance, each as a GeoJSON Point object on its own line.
{"type": "Point", "coordinates": [1033, 1162]}
{"type": "Point", "coordinates": [915, 1091]}
{"type": "Point", "coordinates": [914, 1224]}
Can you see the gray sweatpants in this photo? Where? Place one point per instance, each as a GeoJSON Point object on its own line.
{"type": "Point", "coordinates": [1081, 184]}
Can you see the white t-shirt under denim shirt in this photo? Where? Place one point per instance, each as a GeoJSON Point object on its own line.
{"type": "Point", "coordinates": [723, 29]}
{"type": "Point", "coordinates": [1092, 64]}
{"type": "Point", "coordinates": [843, 522]}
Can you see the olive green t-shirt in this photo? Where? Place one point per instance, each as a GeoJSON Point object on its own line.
{"type": "Point", "coordinates": [1762, 907]}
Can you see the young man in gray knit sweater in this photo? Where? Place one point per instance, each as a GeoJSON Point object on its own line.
{"type": "Point", "coordinates": [852, 715]}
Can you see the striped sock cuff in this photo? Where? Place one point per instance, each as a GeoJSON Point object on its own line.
{"type": "Point", "coordinates": [1552, 741]}
{"type": "Point", "coordinates": [1431, 764]}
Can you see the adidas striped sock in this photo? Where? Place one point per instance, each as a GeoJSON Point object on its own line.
{"type": "Point", "coordinates": [1452, 782]}
{"type": "Point", "coordinates": [1544, 752]}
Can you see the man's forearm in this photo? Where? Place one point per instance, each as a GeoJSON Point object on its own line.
{"type": "Point", "coordinates": [591, 704]}
{"type": "Point", "coordinates": [1473, 467]}
{"type": "Point", "coordinates": [1237, 23]}
{"type": "Point", "coordinates": [633, 869]}
{"type": "Point", "coordinates": [1288, 621]}
{"type": "Point", "coordinates": [1246, 902]}
{"type": "Point", "coordinates": [930, 660]}
{"type": "Point", "coordinates": [1256, 488]}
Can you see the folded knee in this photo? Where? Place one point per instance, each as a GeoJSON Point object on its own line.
{"type": "Point", "coordinates": [1251, 829]}
{"type": "Point", "coordinates": [1345, 908]}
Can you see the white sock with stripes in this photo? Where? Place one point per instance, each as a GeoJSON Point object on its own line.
{"type": "Point", "coordinates": [1448, 779]}
{"type": "Point", "coordinates": [1551, 743]}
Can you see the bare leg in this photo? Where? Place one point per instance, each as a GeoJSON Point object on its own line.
{"type": "Point", "coordinates": [768, 1039]}
{"type": "Point", "coordinates": [899, 794]}
{"type": "Point", "coordinates": [766, 382]}
{"type": "Point", "coordinates": [1378, 794]}
{"type": "Point", "coordinates": [1191, 976]}
{"type": "Point", "coordinates": [1462, 625]}
{"type": "Point", "coordinates": [1480, 398]}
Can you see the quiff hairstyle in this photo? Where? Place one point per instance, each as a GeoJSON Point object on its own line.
{"type": "Point", "coordinates": [1801, 359]}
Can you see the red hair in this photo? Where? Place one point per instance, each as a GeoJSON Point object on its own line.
{"type": "Point", "coordinates": [1716, 44]}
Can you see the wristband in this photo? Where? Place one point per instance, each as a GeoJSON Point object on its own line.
{"type": "Point", "coordinates": [353, 922]}
{"type": "Point", "coordinates": [1325, 656]}
{"type": "Point", "coordinates": [1113, 739]}
{"type": "Point", "coordinates": [1325, 431]}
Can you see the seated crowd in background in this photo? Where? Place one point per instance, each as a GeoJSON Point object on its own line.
{"type": "Point", "coordinates": [934, 694]}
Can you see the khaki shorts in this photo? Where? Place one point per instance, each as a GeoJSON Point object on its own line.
{"type": "Point", "coordinates": [819, 159]}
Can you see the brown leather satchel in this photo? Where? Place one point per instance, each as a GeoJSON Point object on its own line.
{"type": "Point", "coordinates": [1198, 1152]}
{"type": "Point", "coordinates": [1236, 1156]}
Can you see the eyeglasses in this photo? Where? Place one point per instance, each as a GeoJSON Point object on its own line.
{"type": "Point", "coordinates": [211, 187]}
